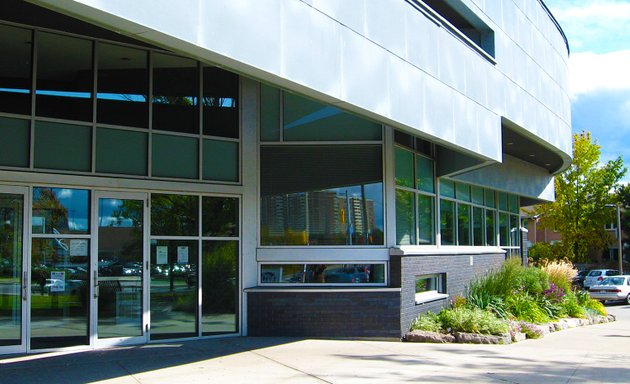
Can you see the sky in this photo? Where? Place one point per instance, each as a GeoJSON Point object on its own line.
{"type": "Point", "coordinates": [599, 70]}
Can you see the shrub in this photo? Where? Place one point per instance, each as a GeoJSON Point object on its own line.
{"type": "Point", "coordinates": [427, 322]}
{"type": "Point", "coordinates": [472, 320]}
{"type": "Point", "coordinates": [525, 307]}
{"type": "Point", "coordinates": [458, 301]}
{"type": "Point", "coordinates": [561, 272]}
{"type": "Point", "coordinates": [533, 281]}
{"type": "Point", "coordinates": [596, 306]}
{"type": "Point", "coordinates": [494, 304]}
{"type": "Point", "coordinates": [572, 307]}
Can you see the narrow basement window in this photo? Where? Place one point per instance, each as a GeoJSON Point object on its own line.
{"type": "Point", "coordinates": [430, 288]}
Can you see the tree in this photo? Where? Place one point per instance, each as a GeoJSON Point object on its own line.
{"type": "Point", "coordinates": [579, 213]}
{"type": "Point", "coordinates": [623, 199]}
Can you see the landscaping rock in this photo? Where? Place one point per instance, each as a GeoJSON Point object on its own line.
{"type": "Point", "coordinates": [475, 338]}
{"type": "Point", "coordinates": [611, 318]}
{"type": "Point", "coordinates": [572, 323]}
{"type": "Point", "coordinates": [429, 337]}
{"type": "Point", "coordinates": [560, 325]}
{"type": "Point", "coordinates": [518, 336]}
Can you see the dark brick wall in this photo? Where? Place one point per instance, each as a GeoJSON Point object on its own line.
{"type": "Point", "coordinates": [374, 314]}
{"type": "Point", "coordinates": [458, 271]}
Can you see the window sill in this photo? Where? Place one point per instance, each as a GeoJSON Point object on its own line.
{"type": "Point", "coordinates": [428, 297]}
{"type": "Point", "coordinates": [419, 250]}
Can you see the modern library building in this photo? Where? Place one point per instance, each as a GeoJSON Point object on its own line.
{"type": "Point", "coordinates": [207, 168]}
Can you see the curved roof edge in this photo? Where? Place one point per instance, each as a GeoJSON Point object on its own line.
{"type": "Point", "coordinates": [555, 22]}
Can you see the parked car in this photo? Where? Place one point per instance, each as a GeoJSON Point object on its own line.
{"type": "Point", "coordinates": [613, 288]}
{"type": "Point", "coordinates": [595, 276]}
{"type": "Point", "coordinates": [578, 280]}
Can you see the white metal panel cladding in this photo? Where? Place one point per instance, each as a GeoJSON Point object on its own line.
{"type": "Point", "coordinates": [344, 52]}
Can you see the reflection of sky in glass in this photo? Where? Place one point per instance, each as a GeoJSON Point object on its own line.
{"type": "Point", "coordinates": [15, 90]}
{"type": "Point", "coordinates": [76, 202]}
{"type": "Point", "coordinates": [81, 95]}
{"type": "Point", "coordinates": [121, 97]}
{"type": "Point", "coordinates": [311, 117]}
{"type": "Point", "coordinates": [107, 215]}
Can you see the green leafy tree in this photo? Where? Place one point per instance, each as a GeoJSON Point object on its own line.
{"type": "Point", "coordinates": [579, 213]}
{"type": "Point", "coordinates": [623, 199]}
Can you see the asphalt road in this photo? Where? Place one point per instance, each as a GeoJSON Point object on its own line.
{"type": "Point", "coordinates": [594, 354]}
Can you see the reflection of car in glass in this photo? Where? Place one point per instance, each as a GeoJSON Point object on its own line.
{"type": "Point", "coordinates": [347, 274]}
{"type": "Point", "coordinates": [132, 268]}
{"type": "Point", "coordinates": [613, 288]}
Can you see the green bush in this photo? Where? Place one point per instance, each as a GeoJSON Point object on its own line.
{"type": "Point", "coordinates": [472, 320]}
{"type": "Point", "coordinates": [525, 307]}
{"type": "Point", "coordinates": [427, 322]}
{"type": "Point", "coordinates": [596, 307]}
{"type": "Point", "coordinates": [533, 280]}
{"type": "Point", "coordinates": [571, 306]}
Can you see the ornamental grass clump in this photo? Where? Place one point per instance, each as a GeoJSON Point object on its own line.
{"type": "Point", "coordinates": [560, 272]}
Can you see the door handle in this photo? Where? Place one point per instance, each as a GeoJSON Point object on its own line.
{"type": "Point", "coordinates": [24, 286]}
{"type": "Point", "coordinates": [95, 284]}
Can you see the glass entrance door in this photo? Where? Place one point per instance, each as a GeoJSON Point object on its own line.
{"type": "Point", "coordinates": [119, 269]}
{"type": "Point", "coordinates": [13, 287]}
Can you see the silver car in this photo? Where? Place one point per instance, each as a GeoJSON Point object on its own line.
{"type": "Point", "coordinates": [613, 288]}
{"type": "Point", "coordinates": [596, 276]}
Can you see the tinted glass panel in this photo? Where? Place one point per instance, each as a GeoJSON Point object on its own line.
{"type": "Point", "coordinates": [513, 203]}
{"type": "Point", "coordinates": [504, 230]}
{"type": "Point", "coordinates": [323, 273]}
{"type": "Point", "coordinates": [15, 136]}
{"type": "Point", "coordinates": [123, 152]}
{"type": "Point", "coordinates": [175, 156]}
{"type": "Point", "coordinates": [64, 77]}
{"type": "Point", "coordinates": [175, 94]}
{"type": "Point", "coordinates": [477, 195]}
{"type": "Point", "coordinates": [503, 201]}
{"type": "Point", "coordinates": [269, 113]}
{"type": "Point", "coordinates": [322, 195]}
{"type": "Point", "coordinates": [307, 120]}
{"type": "Point", "coordinates": [220, 160]}
{"type": "Point", "coordinates": [220, 216]}
{"type": "Point", "coordinates": [447, 222]}
{"type": "Point", "coordinates": [11, 217]}
{"type": "Point", "coordinates": [463, 224]}
{"type": "Point", "coordinates": [61, 210]}
{"type": "Point", "coordinates": [447, 188]}
{"type": "Point", "coordinates": [60, 292]}
{"type": "Point", "coordinates": [174, 288]}
{"type": "Point", "coordinates": [478, 226]}
{"type": "Point", "coordinates": [404, 167]}
{"type": "Point", "coordinates": [515, 231]}
{"type": "Point", "coordinates": [174, 215]}
{"type": "Point", "coordinates": [219, 313]}
{"type": "Point", "coordinates": [491, 234]}
{"type": "Point", "coordinates": [424, 174]}
{"type": "Point", "coordinates": [463, 192]}
{"type": "Point", "coordinates": [426, 214]}
{"type": "Point", "coordinates": [123, 86]}
{"type": "Point", "coordinates": [405, 226]}
{"type": "Point", "coordinates": [220, 103]}
{"type": "Point", "coordinates": [63, 146]}
{"type": "Point", "coordinates": [15, 70]}
{"type": "Point", "coordinates": [489, 194]}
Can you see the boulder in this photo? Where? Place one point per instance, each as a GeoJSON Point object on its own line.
{"type": "Point", "coordinates": [429, 337]}
{"type": "Point", "coordinates": [518, 336]}
{"type": "Point", "coordinates": [475, 338]}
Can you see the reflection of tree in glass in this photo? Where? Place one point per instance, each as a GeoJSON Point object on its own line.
{"type": "Point", "coordinates": [48, 205]}
{"type": "Point", "coordinates": [174, 215]}
{"type": "Point", "coordinates": [130, 210]}
{"type": "Point", "coordinates": [220, 283]}
{"type": "Point", "coordinates": [174, 100]}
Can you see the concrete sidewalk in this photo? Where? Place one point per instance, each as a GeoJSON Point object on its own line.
{"type": "Point", "coordinates": [597, 353]}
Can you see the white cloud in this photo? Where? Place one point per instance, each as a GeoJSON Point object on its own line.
{"type": "Point", "coordinates": [590, 72]}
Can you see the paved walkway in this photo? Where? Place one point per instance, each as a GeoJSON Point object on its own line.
{"type": "Point", "coordinates": [597, 353]}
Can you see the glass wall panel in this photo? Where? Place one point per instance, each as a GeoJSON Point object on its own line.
{"type": "Point", "coordinates": [269, 113]}
{"type": "Point", "coordinates": [59, 292]}
{"type": "Point", "coordinates": [405, 225]}
{"type": "Point", "coordinates": [308, 120]}
{"type": "Point", "coordinates": [463, 191]}
{"type": "Point", "coordinates": [316, 195]}
{"type": "Point", "coordinates": [174, 215]}
{"type": "Point", "coordinates": [463, 224]}
{"type": "Point", "coordinates": [220, 160]}
{"type": "Point", "coordinates": [63, 146]}
{"type": "Point", "coordinates": [174, 289]}
{"type": "Point", "coordinates": [15, 70]}
{"type": "Point", "coordinates": [477, 195]}
{"type": "Point", "coordinates": [122, 152]}
{"type": "Point", "coordinates": [175, 156]}
{"type": "Point", "coordinates": [220, 103]}
{"type": "Point", "coordinates": [219, 313]}
{"type": "Point", "coordinates": [11, 217]}
{"type": "Point", "coordinates": [120, 267]}
{"type": "Point", "coordinates": [122, 86]}
{"type": "Point", "coordinates": [15, 136]}
{"type": "Point", "coordinates": [447, 222]}
{"type": "Point", "coordinates": [478, 226]}
{"type": "Point", "coordinates": [489, 194]}
{"type": "Point", "coordinates": [220, 216]}
{"type": "Point", "coordinates": [504, 230]}
{"type": "Point", "coordinates": [515, 231]}
{"type": "Point", "coordinates": [503, 201]}
{"type": "Point", "coordinates": [60, 211]}
{"type": "Point", "coordinates": [64, 77]}
{"type": "Point", "coordinates": [426, 228]}
{"type": "Point", "coordinates": [491, 234]}
{"type": "Point", "coordinates": [175, 94]}
{"type": "Point", "coordinates": [447, 188]}
{"type": "Point", "coordinates": [513, 203]}
{"type": "Point", "coordinates": [404, 167]}
{"type": "Point", "coordinates": [424, 174]}
{"type": "Point", "coordinates": [323, 273]}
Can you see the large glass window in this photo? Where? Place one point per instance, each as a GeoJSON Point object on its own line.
{"type": "Point", "coordinates": [15, 135]}
{"type": "Point", "coordinates": [15, 69]}
{"type": "Point", "coordinates": [122, 86]}
{"type": "Point", "coordinates": [322, 274]}
{"type": "Point", "coordinates": [219, 299]}
{"type": "Point", "coordinates": [220, 98]}
{"type": "Point", "coordinates": [175, 156]}
{"type": "Point", "coordinates": [447, 222]}
{"type": "Point", "coordinates": [415, 198]}
{"type": "Point", "coordinates": [175, 94]}
{"type": "Point", "coordinates": [464, 224]}
{"type": "Point", "coordinates": [122, 152]}
{"type": "Point", "coordinates": [11, 242]}
{"type": "Point", "coordinates": [220, 217]}
{"type": "Point", "coordinates": [64, 77]}
{"type": "Point", "coordinates": [322, 195]}
{"type": "Point", "coordinates": [60, 211]}
{"type": "Point", "coordinates": [174, 215]}
{"type": "Point", "coordinates": [63, 146]}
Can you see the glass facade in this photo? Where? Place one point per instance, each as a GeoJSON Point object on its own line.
{"type": "Point", "coordinates": [336, 274]}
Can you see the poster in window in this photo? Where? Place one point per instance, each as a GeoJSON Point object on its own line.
{"type": "Point", "coordinates": [57, 281]}
{"type": "Point", "coordinates": [161, 254]}
{"type": "Point", "coordinates": [78, 247]}
{"type": "Point", "coordinates": [182, 254]}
